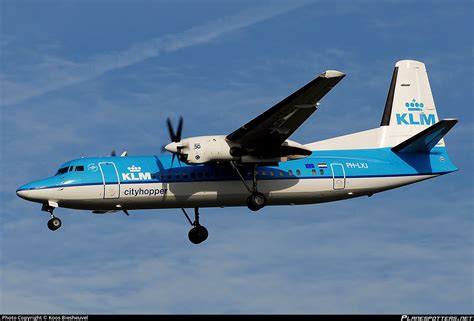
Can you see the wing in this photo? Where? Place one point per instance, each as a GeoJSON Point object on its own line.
{"type": "Point", "coordinates": [275, 125]}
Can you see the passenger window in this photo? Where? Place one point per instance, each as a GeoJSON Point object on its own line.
{"type": "Point", "coordinates": [290, 172]}
{"type": "Point", "coordinates": [185, 175]}
{"type": "Point", "coordinates": [264, 173]}
{"type": "Point", "coordinates": [272, 173]}
{"type": "Point", "coordinates": [280, 173]}
{"type": "Point", "coordinates": [79, 168]}
{"type": "Point", "coordinates": [200, 174]}
{"type": "Point", "coordinates": [193, 175]}
{"type": "Point", "coordinates": [206, 174]}
{"type": "Point", "coordinates": [313, 172]}
{"type": "Point", "coordinates": [298, 172]}
{"type": "Point", "coordinates": [321, 171]}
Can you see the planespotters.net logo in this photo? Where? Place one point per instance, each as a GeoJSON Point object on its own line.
{"type": "Point", "coordinates": [437, 318]}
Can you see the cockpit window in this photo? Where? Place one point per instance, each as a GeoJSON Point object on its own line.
{"type": "Point", "coordinates": [62, 170]}
{"type": "Point", "coordinates": [70, 168]}
{"type": "Point", "coordinates": [80, 168]}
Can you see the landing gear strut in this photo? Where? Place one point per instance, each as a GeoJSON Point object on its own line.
{"type": "Point", "coordinates": [256, 200]}
{"type": "Point", "coordinates": [198, 233]}
{"type": "Point", "coordinates": [54, 223]}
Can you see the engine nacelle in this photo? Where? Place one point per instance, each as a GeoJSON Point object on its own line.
{"type": "Point", "coordinates": [203, 149]}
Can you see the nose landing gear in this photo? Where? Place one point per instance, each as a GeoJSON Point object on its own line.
{"type": "Point", "coordinates": [54, 223]}
{"type": "Point", "coordinates": [198, 233]}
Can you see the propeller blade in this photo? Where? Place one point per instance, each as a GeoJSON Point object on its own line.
{"type": "Point", "coordinates": [171, 130]}
{"type": "Point", "coordinates": [172, 159]}
{"type": "Point", "coordinates": [180, 129]}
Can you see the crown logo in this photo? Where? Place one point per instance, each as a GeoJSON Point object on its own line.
{"type": "Point", "coordinates": [414, 105]}
{"type": "Point", "coordinates": [134, 169]}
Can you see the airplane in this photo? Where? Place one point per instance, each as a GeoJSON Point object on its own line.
{"type": "Point", "coordinates": [257, 165]}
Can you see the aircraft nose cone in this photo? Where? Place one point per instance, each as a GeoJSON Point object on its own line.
{"type": "Point", "coordinates": [172, 147]}
{"type": "Point", "coordinates": [22, 192]}
{"type": "Point", "coordinates": [30, 191]}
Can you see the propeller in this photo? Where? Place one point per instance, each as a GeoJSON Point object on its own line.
{"type": "Point", "coordinates": [175, 138]}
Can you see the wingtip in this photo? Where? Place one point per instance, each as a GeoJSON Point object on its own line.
{"type": "Point", "coordinates": [332, 74]}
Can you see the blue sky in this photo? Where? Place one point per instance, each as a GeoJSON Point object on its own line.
{"type": "Point", "coordinates": [80, 78]}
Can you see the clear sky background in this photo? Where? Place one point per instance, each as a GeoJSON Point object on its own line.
{"type": "Point", "coordinates": [80, 78]}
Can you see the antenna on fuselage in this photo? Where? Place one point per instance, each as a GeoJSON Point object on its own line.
{"type": "Point", "coordinates": [113, 153]}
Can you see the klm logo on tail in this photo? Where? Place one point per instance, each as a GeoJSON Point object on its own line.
{"type": "Point", "coordinates": [411, 118]}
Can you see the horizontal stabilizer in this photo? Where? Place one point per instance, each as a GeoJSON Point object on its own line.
{"type": "Point", "coordinates": [425, 140]}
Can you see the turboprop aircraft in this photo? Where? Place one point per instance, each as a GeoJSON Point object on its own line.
{"type": "Point", "coordinates": [257, 165]}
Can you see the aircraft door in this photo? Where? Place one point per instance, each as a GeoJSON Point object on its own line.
{"type": "Point", "coordinates": [338, 176]}
{"type": "Point", "coordinates": [110, 179]}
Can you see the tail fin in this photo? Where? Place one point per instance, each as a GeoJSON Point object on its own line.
{"type": "Point", "coordinates": [424, 141]}
{"type": "Point", "coordinates": [410, 107]}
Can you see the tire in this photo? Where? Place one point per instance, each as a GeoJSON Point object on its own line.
{"type": "Point", "coordinates": [198, 234]}
{"type": "Point", "coordinates": [54, 224]}
{"type": "Point", "coordinates": [256, 201]}
{"type": "Point", "coordinates": [202, 233]}
{"type": "Point", "coordinates": [250, 205]}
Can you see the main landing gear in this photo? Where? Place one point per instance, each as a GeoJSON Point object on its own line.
{"type": "Point", "coordinates": [54, 223]}
{"type": "Point", "coordinates": [256, 200]}
{"type": "Point", "coordinates": [198, 233]}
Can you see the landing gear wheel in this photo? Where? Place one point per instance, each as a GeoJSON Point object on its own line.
{"type": "Point", "coordinates": [54, 224]}
{"type": "Point", "coordinates": [198, 234]}
{"type": "Point", "coordinates": [256, 201]}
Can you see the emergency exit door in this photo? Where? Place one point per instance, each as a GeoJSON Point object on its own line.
{"type": "Point", "coordinates": [338, 176]}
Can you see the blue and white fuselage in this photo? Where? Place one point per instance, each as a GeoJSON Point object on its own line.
{"type": "Point", "coordinates": [147, 182]}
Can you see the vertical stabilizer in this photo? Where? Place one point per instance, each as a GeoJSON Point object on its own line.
{"type": "Point", "coordinates": [410, 107]}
